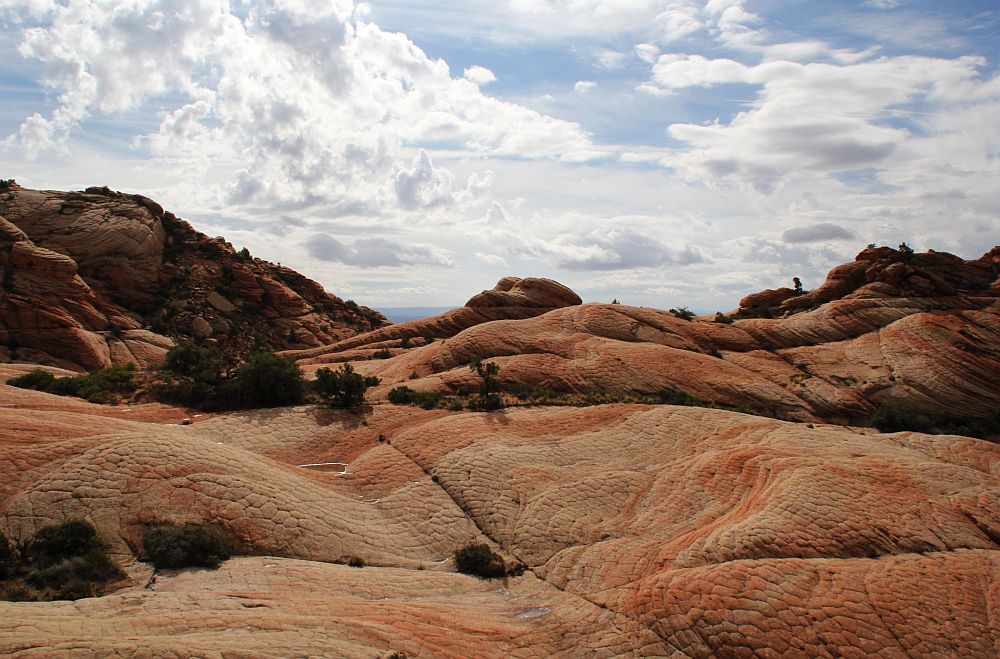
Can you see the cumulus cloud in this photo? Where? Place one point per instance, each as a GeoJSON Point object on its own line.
{"type": "Point", "coordinates": [584, 86]}
{"type": "Point", "coordinates": [316, 104]}
{"type": "Point", "coordinates": [614, 249]}
{"type": "Point", "coordinates": [816, 233]}
{"type": "Point", "coordinates": [492, 259]}
{"type": "Point", "coordinates": [479, 75]}
{"type": "Point", "coordinates": [818, 116]}
{"type": "Point", "coordinates": [374, 252]}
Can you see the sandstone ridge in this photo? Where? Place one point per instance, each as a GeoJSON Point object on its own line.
{"type": "Point", "coordinates": [96, 278]}
{"type": "Point", "coordinates": [916, 333]}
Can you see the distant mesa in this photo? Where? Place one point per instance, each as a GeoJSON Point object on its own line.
{"type": "Point", "coordinates": [96, 278]}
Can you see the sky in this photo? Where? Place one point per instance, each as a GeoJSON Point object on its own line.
{"type": "Point", "coordinates": [407, 153]}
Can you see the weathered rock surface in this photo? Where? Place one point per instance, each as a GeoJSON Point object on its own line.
{"type": "Point", "coordinates": [922, 348]}
{"type": "Point", "coordinates": [97, 278]}
{"type": "Point", "coordinates": [646, 531]}
{"type": "Point", "coordinates": [511, 298]}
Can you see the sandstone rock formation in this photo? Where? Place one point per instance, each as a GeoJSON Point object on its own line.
{"type": "Point", "coordinates": [646, 531]}
{"type": "Point", "coordinates": [512, 298]}
{"type": "Point", "coordinates": [920, 336]}
{"type": "Point", "coordinates": [97, 278]}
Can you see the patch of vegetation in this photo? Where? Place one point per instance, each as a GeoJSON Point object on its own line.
{"type": "Point", "coordinates": [62, 561]}
{"type": "Point", "coordinates": [480, 561]}
{"type": "Point", "coordinates": [193, 378]}
{"type": "Point", "coordinates": [103, 386]}
{"type": "Point", "coordinates": [5, 184]}
{"type": "Point", "coordinates": [683, 313]}
{"type": "Point", "coordinates": [342, 388]}
{"type": "Point", "coordinates": [428, 400]}
{"type": "Point", "coordinates": [672, 397]}
{"type": "Point", "coordinates": [190, 360]}
{"type": "Point", "coordinates": [264, 380]}
{"type": "Point", "coordinates": [189, 545]}
{"type": "Point", "coordinates": [905, 252]}
{"type": "Point", "coordinates": [722, 318]}
{"type": "Point", "coordinates": [244, 255]}
{"type": "Point", "coordinates": [489, 386]}
{"type": "Point", "coordinates": [893, 419]}
{"type": "Point", "coordinates": [383, 353]}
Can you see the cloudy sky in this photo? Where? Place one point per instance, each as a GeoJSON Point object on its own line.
{"type": "Point", "coordinates": [410, 153]}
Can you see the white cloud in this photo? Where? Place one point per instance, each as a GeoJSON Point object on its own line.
{"type": "Point", "coordinates": [492, 259]}
{"type": "Point", "coordinates": [610, 60]}
{"type": "Point", "coordinates": [584, 86]}
{"type": "Point", "coordinates": [316, 105]}
{"type": "Point", "coordinates": [479, 75]}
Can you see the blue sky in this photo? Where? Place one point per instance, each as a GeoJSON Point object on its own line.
{"type": "Point", "coordinates": [404, 153]}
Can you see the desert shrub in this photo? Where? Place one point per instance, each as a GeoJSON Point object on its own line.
{"type": "Point", "coordinates": [264, 380]}
{"type": "Point", "coordinates": [671, 397]}
{"type": "Point", "coordinates": [190, 360]}
{"type": "Point", "coordinates": [8, 559]}
{"type": "Point", "coordinates": [406, 396]}
{"type": "Point", "coordinates": [244, 255]}
{"type": "Point", "coordinates": [5, 184]}
{"type": "Point", "coordinates": [37, 379]}
{"type": "Point", "coordinates": [404, 342]}
{"type": "Point", "coordinates": [722, 318]}
{"type": "Point", "coordinates": [479, 560]}
{"type": "Point", "coordinates": [54, 543]}
{"type": "Point", "coordinates": [91, 568]}
{"type": "Point", "coordinates": [683, 313]}
{"type": "Point", "coordinates": [355, 561]}
{"type": "Point", "coordinates": [384, 353]}
{"type": "Point", "coordinates": [183, 546]}
{"type": "Point", "coordinates": [489, 386]}
{"type": "Point", "coordinates": [96, 386]}
{"type": "Point", "coordinates": [456, 406]}
{"type": "Point", "coordinates": [342, 388]}
{"type": "Point", "coordinates": [15, 591]}
{"type": "Point", "coordinates": [62, 561]}
{"type": "Point", "coordinates": [905, 252]}
{"type": "Point", "coordinates": [186, 393]}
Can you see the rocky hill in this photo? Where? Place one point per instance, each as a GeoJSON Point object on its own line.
{"type": "Point", "coordinates": [916, 334]}
{"type": "Point", "coordinates": [96, 278]}
{"type": "Point", "coordinates": [643, 530]}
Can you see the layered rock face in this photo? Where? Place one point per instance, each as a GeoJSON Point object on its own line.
{"type": "Point", "coordinates": [97, 278]}
{"type": "Point", "coordinates": [920, 335]}
{"type": "Point", "coordinates": [512, 298]}
{"type": "Point", "coordinates": [645, 531]}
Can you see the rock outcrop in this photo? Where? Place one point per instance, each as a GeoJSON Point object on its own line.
{"type": "Point", "coordinates": [645, 531]}
{"type": "Point", "coordinates": [512, 298]}
{"type": "Point", "coordinates": [98, 277]}
{"type": "Point", "coordinates": [919, 335]}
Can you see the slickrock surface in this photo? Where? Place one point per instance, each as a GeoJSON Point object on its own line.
{"type": "Point", "coordinates": [95, 278]}
{"type": "Point", "coordinates": [919, 335]}
{"type": "Point", "coordinates": [646, 531]}
{"type": "Point", "coordinates": [511, 298]}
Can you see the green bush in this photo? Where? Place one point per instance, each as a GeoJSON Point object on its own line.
{"type": "Point", "coordinates": [671, 397]}
{"type": "Point", "coordinates": [183, 546]}
{"type": "Point", "coordinates": [428, 400]}
{"type": "Point", "coordinates": [489, 387]}
{"type": "Point", "coordinates": [97, 386]}
{"type": "Point", "coordinates": [683, 313]}
{"type": "Point", "coordinates": [723, 318]}
{"type": "Point", "coordinates": [186, 393]}
{"type": "Point", "coordinates": [190, 360]}
{"type": "Point", "coordinates": [264, 380]}
{"type": "Point", "coordinates": [342, 388]}
{"type": "Point", "coordinates": [384, 353]}
{"type": "Point", "coordinates": [63, 561]}
{"type": "Point", "coordinates": [38, 379]}
{"type": "Point", "coordinates": [55, 543]}
{"type": "Point", "coordinates": [479, 560]}
{"type": "Point", "coordinates": [8, 560]}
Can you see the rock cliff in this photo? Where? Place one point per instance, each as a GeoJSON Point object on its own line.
{"type": "Point", "coordinates": [96, 278]}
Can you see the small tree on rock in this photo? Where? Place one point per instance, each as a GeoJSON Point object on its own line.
{"type": "Point", "coordinates": [343, 388]}
{"type": "Point", "coordinates": [489, 388]}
